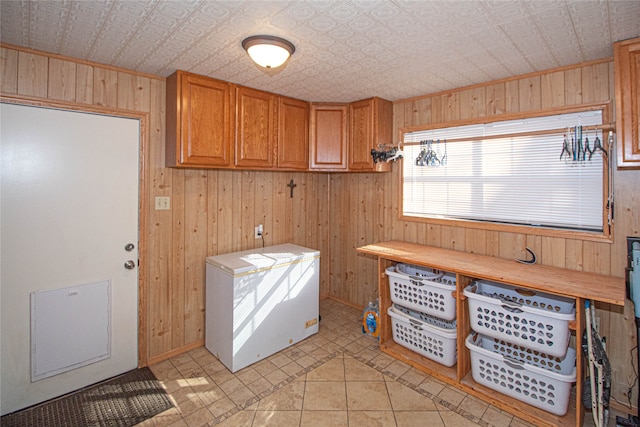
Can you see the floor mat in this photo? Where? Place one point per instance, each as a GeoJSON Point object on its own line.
{"type": "Point", "coordinates": [122, 401]}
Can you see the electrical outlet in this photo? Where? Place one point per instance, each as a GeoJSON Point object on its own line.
{"type": "Point", "coordinates": [163, 203]}
{"type": "Point", "coordinates": [596, 323]}
{"type": "Point", "coordinates": [259, 230]}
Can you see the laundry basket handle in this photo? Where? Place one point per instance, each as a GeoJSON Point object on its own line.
{"type": "Point", "coordinates": [512, 307]}
{"type": "Point", "coordinates": [513, 363]}
{"type": "Point", "coordinates": [415, 324]}
{"type": "Point", "coordinates": [417, 280]}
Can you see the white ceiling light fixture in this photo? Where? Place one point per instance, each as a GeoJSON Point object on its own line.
{"type": "Point", "coordinates": [268, 51]}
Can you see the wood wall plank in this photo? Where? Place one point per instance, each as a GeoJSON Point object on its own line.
{"type": "Point", "coordinates": [437, 110]}
{"type": "Point", "coordinates": [476, 241]}
{"type": "Point", "coordinates": [324, 244]}
{"type": "Point", "coordinates": [33, 73]}
{"type": "Point", "coordinates": [312, 208]}
{"type": "Point", "coordinates": [84, 84]}
{"type": "Point", "coordinates": [596, 257]}
{"type": "Point", "coordinates": [176, 281]}
{"type": "Point", "coordinates": [553, 251]}
{"type": "Point", "coordinates": [212, 212]}
{"type": "Point", "coordinates": [496, 99]}
{"type": "Point", "coordinates": [573, 254]}
{"type": "Point", "coordinates": [451, 107]}
{"type": "Point", "coordinates": [159, 237]}
{"type": "Point", "coordinates": [433, 235]}
{"type": "Point", "coordinates": [552, 90]}
{"type": "Point", "coordinates": [421, 112]}
{"type": "Point", "coordinates": [529, 92]}
{"type": "Point", "coordinates": [133, 92]}
{"type": "Point", "coordinates": [247, 223]}
{"type": "Point", "coordinates": [195, 239]}
{"type": "Point", "coordinates": [573, 86]}
{"type": "Point", "coordinates": [621, 350]}
{"type": "Point", "coordinates": [264, 204]}
{"type": "Point", "coordinates": [473, 103]}
{"type": "Point", "coordinates": [105, 87]}
{"type": "Point", "coordinates": [595, 83]}
{"type": "Point", "coordinates": [8, 71]}
{"type": "Point", "coordinates": [453, 238]}
{"type": "Point", "coordinates": [224, 214]}
{"type": "Point", "coordinates": [512, 96]}
{"type": "Point", "coordinates": [62, 80]}
{"type": "Point", "coordinates": [493, 243]}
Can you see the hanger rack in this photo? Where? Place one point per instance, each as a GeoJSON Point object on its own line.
{"type": "Point", "coordinates": [559, 131]}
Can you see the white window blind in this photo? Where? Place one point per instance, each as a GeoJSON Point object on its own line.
{"type": "Point", "coordinates": [514, 180]}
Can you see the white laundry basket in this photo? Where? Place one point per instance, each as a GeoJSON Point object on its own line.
{"type": "Point", "coordinates": [537, 379]}
{"type": "Point", "coordinates": [532, 319]}
{"type": "Point", "coordinates": [429, 336]}
{"type": "Point", "coordinates": [423, 289]}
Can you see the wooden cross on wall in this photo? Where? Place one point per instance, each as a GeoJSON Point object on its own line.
{"type": "Point", "coordinates": [291, 185]}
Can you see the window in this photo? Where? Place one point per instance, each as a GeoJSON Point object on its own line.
{"type": "Point", "coordinates": [510, 172]}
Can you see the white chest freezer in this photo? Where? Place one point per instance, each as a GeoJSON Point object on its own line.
{"type": "Point", "coordinates": [260, 301]}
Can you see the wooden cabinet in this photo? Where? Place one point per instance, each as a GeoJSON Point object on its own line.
{"type": "Point", "coordinates": [468, 267]}
{"type": "Point", "coordinates": [626, 58]}
{"type": "Point", "coordinates": [343, 135]}
{"type": "Point", "coordinates": [329, 136]}
{"type": "Point", "coordinates": [256, 126]}
{"type": "Point", "coordinates": [200, 117]}
{"type": "Point", "coordinates": [370, 125]}
{"type": "Point", "coordinates": [216, 124]}
{"type": "Point", "coordinates": [293, 134]}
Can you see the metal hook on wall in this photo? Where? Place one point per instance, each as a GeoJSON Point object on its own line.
{"type": "Point", "coordinates": [531, 260]}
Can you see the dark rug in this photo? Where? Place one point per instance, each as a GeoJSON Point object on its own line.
{"type": "Point", "coordinates": [122, 401]}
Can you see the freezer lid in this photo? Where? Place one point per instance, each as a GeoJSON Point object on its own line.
{"type": "Point", "coordinates": [243, 262]}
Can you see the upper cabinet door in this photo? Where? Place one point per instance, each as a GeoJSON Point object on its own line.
{"type": "Point", "coordinates": [626, 55]}
{"type": "Point", "coordinates": [329, 136]}
{"type": "Point", "coordinates": [255, 128]}
{"type": "Point", "coordinates": [370, 125]}
{"type": "Point", "coordinates": [293, 134]}
{"type": "Point", "coordinates": [200, 116]}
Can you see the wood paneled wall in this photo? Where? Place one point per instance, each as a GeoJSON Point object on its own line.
{"type": "Point", "coordinates": [367, 206]}
{"type": "Point", "coordinates": [215, 211]}
{"type": "Point", "coordinates": [212, 212]}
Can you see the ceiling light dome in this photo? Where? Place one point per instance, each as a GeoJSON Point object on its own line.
{"type": "Point", "coordinates": [268, 51]}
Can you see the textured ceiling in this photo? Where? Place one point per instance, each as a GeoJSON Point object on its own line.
{"type": "Point", "coordinates": [345, 50]}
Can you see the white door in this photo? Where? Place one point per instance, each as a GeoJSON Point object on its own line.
{"type": "Point", "coordinates": [69, 206]}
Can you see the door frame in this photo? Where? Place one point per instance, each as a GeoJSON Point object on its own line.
{"type": "Point", "coordinates": [143, 192]}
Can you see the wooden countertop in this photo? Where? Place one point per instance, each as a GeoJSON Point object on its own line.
{"type": "Point", "coordinates": [559, 281]}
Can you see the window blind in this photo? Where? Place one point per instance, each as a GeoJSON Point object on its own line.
{"type": "Point", "coordinates": [511, 179]}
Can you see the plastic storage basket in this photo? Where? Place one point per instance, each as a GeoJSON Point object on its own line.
{"type": "Point", "coordinates": [537, 379]}
{"type": "Point", "coordinates": [423, 289]}
{"type": "Point", "coordinates": [532, 319]}
{"type": "Point", "coordinates": [429, 336]}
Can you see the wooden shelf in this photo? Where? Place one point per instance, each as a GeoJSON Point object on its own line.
{"type": "Point", "coordinates": [576, 285]}
{"type": "Point", "coordinates": [558, 281]}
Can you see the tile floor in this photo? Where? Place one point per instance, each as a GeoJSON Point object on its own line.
{"type": "Point", "coordinates": [338, 377]}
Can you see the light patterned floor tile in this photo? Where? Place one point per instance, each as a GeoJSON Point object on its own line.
{"type": "Point", "coordinates": [325, 396]}
{"type": "Point", "coordinates": [367, 396]}
{"type": "Point", "coordinates": [336, 378]}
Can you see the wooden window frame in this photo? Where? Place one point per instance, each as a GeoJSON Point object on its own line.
{"type": "Point", "coordinates": [607, 233]}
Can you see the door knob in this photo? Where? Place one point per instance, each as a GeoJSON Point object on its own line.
{"type": "Point", "coordinates": [130, 264]}
{"type": "Point", "coordinates": [129, 247]}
